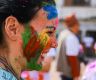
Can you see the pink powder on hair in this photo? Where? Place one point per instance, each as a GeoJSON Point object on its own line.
{"type": "Point", "coordinates": [56, 22]}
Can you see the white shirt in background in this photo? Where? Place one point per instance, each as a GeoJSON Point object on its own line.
{"type": "Point", "coordinates": [88, 41]}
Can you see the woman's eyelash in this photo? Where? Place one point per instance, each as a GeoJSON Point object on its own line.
{"type": "Point", "coordinates": [49, 33]}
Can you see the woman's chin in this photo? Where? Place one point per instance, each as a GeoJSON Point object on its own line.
{"type": "Point", "coordinates": [42, 56]}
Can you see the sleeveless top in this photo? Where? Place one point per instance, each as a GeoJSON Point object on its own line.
{"type": "Point", "coordinates": [8, 73]}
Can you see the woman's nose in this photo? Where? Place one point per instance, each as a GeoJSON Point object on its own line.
{"type": "Point", "coordinates": [55, 22]}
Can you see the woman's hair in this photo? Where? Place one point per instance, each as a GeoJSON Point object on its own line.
{"type": "Point", "coordinates": [23, 10]}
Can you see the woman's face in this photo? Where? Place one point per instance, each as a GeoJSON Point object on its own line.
{"type": "Point", "coordinates": [51, 44]}
{"type": "Point", "coordinates": [34, 42]}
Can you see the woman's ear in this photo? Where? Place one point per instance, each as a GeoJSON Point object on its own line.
{"type": "Point", "coordinates": [12, 27]}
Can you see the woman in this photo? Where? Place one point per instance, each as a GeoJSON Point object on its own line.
{"type": "Point", "coordinates": [21, 24]}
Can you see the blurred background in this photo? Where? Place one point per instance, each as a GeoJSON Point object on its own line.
{"type": "Point", "coordinates": [85, 11]}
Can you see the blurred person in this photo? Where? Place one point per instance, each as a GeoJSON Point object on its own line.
{"type": "Point", "coordinates": [81, 53]}
{"type": "Point", "coordinates": [90, 71]}
{"type": "Point", "coordinates": [68, 50]}
{"type": "Point", "coordinates": [21, 26]}
{"type": "Point", "coordinates": [88, 41]}
{"type": "Point", "coordinates": [95, 47]}
{"type": "Point", "coordinates": [88, 45]}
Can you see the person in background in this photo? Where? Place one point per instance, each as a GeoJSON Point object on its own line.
{"type": "Point", "coordinates": [90, 71]}
{"type": "Point", "coordinates": [68, 50]}
{"type": "Point", "coordinates": [88, 45]}
{"type": "Point", "coordinates": [22, 35]}
{"type": "Point", "coordinates": [95, 47]}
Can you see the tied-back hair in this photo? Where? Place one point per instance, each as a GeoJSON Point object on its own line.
{"type": "Point", "coordinates": [23, 10]}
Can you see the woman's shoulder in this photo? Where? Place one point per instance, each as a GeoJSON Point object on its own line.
{"type": "Point", "coordinates": [6, 75]}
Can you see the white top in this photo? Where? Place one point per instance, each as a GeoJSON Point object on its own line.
{"type": "Point", "coordinates": [71, 42]}
{"type": "Point", "coordinates": [72, 45]}
{"type": "Point", "coordinates": [88, 41]}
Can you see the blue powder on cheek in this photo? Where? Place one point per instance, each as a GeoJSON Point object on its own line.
{"type": "Point", "coordinates": [52, 11]}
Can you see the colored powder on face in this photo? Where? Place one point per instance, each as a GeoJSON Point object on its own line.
{"type": "Point", "coordinates": [47, 46]}
{"type": "Point", "coordinates": [26, 36]}
{"type": "Point", "coordinates": [33, 46]}
{"type": "Point", "coordinates": [56, 22]}
{"type": "Point", "coordinates": [35, 43]}
{"type": "Point", "coordinates": [29, 42]}
{"type": "Point", "coordinates": [52, 11]}
{"type": "Point", "coordinates": [43, 42]}
{"type": "Point", "coordinates": [44, 38]}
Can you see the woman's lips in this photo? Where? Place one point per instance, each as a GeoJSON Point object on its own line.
{"type": "Point", "coordinates": [41, 58]}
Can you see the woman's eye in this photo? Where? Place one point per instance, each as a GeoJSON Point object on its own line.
{"type": "Point", "coordinates": [50, 33]}
{"type": "Point", "coordinates": [51, 30]}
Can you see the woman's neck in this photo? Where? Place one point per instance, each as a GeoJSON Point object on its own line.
{"type": "Point", "coordinates": [15, 65]}
{"type": "Point", "coordinates": [10, 60]}
{"type": "Point", "coordinates": [18, 63]}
